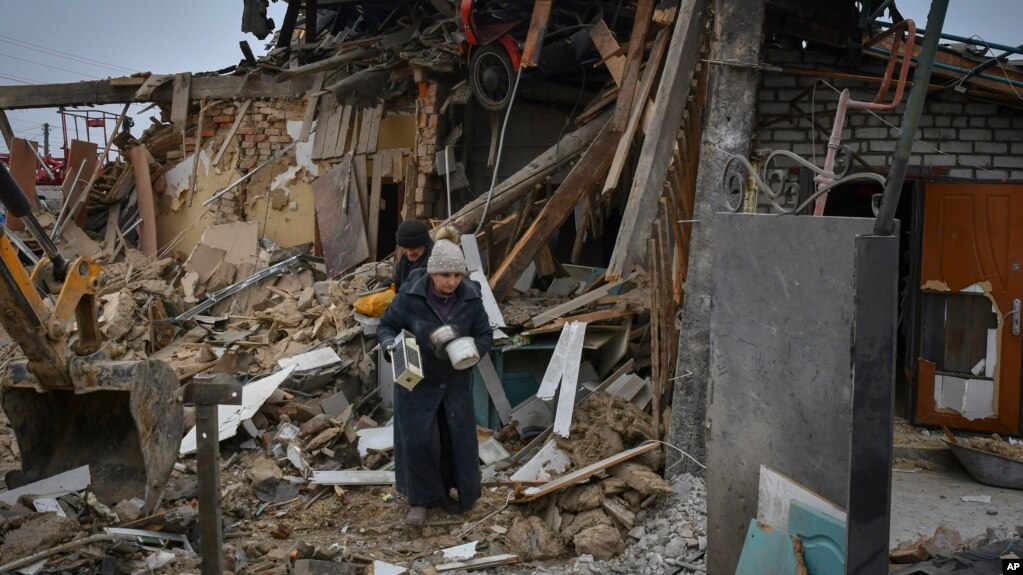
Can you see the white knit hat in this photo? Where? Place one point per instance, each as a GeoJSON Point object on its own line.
{"type": "Point", "coordinates": [446, 257]}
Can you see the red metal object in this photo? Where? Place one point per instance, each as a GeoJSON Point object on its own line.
{"type": "Point", "coordinates": [476, 35]}
{"type": "Point", "coordinates": [56, 166]}
{"type": "Point", "coordinates": [845, 101]}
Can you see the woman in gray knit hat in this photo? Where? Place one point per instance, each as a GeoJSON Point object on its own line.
{"type": "Point", "coordinates": [435, 447]}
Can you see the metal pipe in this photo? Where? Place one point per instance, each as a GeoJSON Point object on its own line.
{"type": "Point", "coordinates": [964, 39]}
{"type": "Point", "coordinates": [985, 65]}
{"type": "Point", "coordinates": [958, 69]}
{"type": "Point", "coordinates": [885, 222]}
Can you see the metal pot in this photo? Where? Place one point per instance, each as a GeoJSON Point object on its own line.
{"type": "Point", "coordinates": [441, 337]}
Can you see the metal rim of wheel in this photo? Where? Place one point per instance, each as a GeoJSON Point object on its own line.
{"type": "Point", "coordinates": [492, 77]}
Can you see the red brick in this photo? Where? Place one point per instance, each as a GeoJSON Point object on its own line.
{"type": "Point", "coordinates": [255, 138]}
{"type": "Point", "coordinates": [223, 119]}
{"type": "Point", "coordinates": [281, 139]}
{"type": "Point", "coordinates": [208, 132]}
{"type": "Point", "coordinates": [245, 130]}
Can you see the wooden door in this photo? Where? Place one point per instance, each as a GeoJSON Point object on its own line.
{"type": "Point", "coordinates": [971, 283]}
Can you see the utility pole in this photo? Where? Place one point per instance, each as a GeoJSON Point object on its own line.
{"type": "Point", "coordinates": [46, 139]}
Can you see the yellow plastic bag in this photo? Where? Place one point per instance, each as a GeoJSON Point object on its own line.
{"type": "Point", "coordinates": [374, 304]}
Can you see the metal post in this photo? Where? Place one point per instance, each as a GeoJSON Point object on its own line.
{"type": "Point", "coordinates": [884, 224]}
{"type": "Point", "coordinates": [224, 390]}
{"type": "Point", "coordinates": [46, 139]}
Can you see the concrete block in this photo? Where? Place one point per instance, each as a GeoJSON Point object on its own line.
{"type": "Point", "coordinates": [956, 147]}
{"type": "Point", "coordinates": [974, 134]}
{"type": "Point", "coordinates": [999, 175]}
{"type": "Point", "coordinates": [950, 108]}
{"type": "Point", "coordinates": [1009, 135]}
{"type": "Point", "coordinates": [943, 121]}
{"type": "Point", "coordinates": [976, 109]}
{"type": "Point", "coordinates": [939, 160]}
{"type": "Point", "coordinates": [882, 145]}
{"type": "Point", "coordinates": [999, 122]}
{"type": "Point", "coordinates": [779, 81]}
{"type": "Point", "coordinates": [961, 173]}
{"type": "Point", "coordinates": [960, 122]}
{"type": "Point", "coordinates": [991, 147]}
{"type": "Point", "coordinates": [789, 135]}
{"type": "Point", "coordinates": [775, 108]}
{"type": "Point", "coordinates": [1009, 162]}
{"type": "Point", "coordinates": [871, 133]}
{"type": "Point", "coordinates": [978, 122]}
{"type": "Point", "coordinates": [314, 567]}
{"type": "Point", "coordinates": [975, 160]}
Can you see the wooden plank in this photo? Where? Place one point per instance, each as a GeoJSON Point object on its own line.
{"type": "Point", "coordinates": [581, 179]}
{"type": "Point", "coordinates": [342, 230]}
{"type": "Point", "coordinates": [327, 64]}
{"type": "Point", "coordinates": [23, 170]}
{"type": "Point", "coordinates": [646, 84]}
{"type": "Point", "coordinates": [656, 332]}
{"type": "Point", "coordinates": [5, 129]}
{"type": "Point", "coordinates": [574, 304]}
{"type": "Point", "coordinates": [197, 148]}
{"type": "Point", "coordinates": [113, 215]}
{"type": "Point", "coordinates": [570, 381]}
{"type": "Point", "coordinates": [180, 100]}
{"type": "Point", "coordinates": [353, 477]}
{"type": "Point", "coordinates": [310, 108]}
{"type": "Point", "coordinates": [633, 60]}
{"type": "Point", "coordinates": [521, 182]}
{"type": "Point", "coordinates": [144, 196]}
{"type": "Point", "coordinates": [366, 116]}
{"type": "Point", "coordinates": [332, 124]}
{"type": "Point", "coordinates": [578, 476]}
{"type": "Point", "coordinates": [111, 92]}
{"type": "Point", "coordinates": [475, 564]}
{"type": "Point", "coordinates": [67, 482]}
{"type": "Point", "coordinates": [609, 50]}
{"type": "Point", "coordinates": [238, 117]}
{"type": "Point", "coordinates": [373, 223]}
{"type": "Point", "coordinates": [652, 167]}
{"type": "Point", "coordinates": [494, 387]}
{"type": "Point", "coordinates": [537, 31]}
{"type": "Point", "coordinates": [81, 164]}
{"type": "Point", "coordinates": [475, 264]}
{"type": "Point", "coordinates": [375, 118]}
{"type": "Point", "coordinates": [344, 129]}
{"type": "Point", "coordinates": [555, 368]}
{"type": "Point", "coordinates": [322, 121]}
{"type": "Point", "coordinates": [601, 315]}
{"type": "Point", "coordinates": [359, 163]}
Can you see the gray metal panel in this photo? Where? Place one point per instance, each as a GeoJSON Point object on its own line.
{"type": "Point", "coordinates": [873, 415]}
{"type": "Point", "coordinates": [781, 364]}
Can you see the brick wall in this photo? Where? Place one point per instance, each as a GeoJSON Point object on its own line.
{"type": "Point", "coordinates": [262, 133]}
{"type": "Point", "coordinates": [428, 186]}
{"type": "Point", "coordinates": [959, 137]}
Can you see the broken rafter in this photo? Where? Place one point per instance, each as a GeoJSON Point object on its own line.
{"type": "Point", "coordinates": [116, 91]}
{"type": "Point", "coordinates": [515, 187]}
{"type": "Point", "coordinates": [633, 60]}
{"type": "Point", "coordinates": [652, 167]}
{"type": "Point", "coordinates": [585, 473]}
{"type": "Point", "coordinates": [592, 166]}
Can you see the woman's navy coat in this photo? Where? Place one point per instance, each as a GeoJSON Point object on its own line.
{"type": "Point", "coordinates": [435, 445]}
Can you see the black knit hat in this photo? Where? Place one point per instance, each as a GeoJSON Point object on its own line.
{"type": "Point", "coordinates": [412, 234]}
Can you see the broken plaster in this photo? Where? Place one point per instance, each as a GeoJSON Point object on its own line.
{"type": "Point", "coordinates": [178, 176]}
{"type": "Point", "coordinates": [303, 160]}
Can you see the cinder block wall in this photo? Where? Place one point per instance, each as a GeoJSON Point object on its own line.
{"type": "Point", "coordinates": [960, 137]}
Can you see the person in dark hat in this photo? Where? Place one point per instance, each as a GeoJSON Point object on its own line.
{"type": "Point", "coordinates": [436, 451]}
{"type": "Point", "coordinates": [415, 247]}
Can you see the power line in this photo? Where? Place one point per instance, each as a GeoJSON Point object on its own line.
{"type": "Point", "coordinates": [68, 55]}
{"type": "Point", "coordinates": [18, 79]}
{"type": "Point", "coordinates": [49, 66]}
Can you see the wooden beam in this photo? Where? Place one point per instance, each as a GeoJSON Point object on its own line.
{"type": "Point", "coordinates": [111, 92]}
{"type": "Point", "coordinates": [195, 152]}
{"type": "Point", "coordinates": [23, 170]}
{"type": "Point", "coordinates": [633, 60]}
{"type": "Point", "coordinates": [537, 31]}
{"type": "Point", "coordinates": [646, 84]}
{"type": "Point", "coordinates": [238, 117]}
{"type": "Point", "coordinates": [518, 184]}
{"type": "Point", "coordinates": [310, 108]}
{"type": "Point", "coordinates": [580, 180]}
{"type": "Point", "coordinates": [5, 129]}
{"type": "Point", "coordinates": [144, 195]}
{"type": "Point", "coordinates": [180, 101]}
{"type": "Point", "coordinates": [573, 304]}
{"type": "Point", "coordinates": [595, 316]}
{"type": "Point", "coordinates": [609, 50]}
{"type": "Point", "coordinates": [373, 224]}
{"type": "Point", "coordinates": [652, 167]}
{"type": "Point", "coordinates": [585, 473]}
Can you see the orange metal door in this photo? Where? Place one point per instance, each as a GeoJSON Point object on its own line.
{"type": "Point", "coordinates": [971, 276]}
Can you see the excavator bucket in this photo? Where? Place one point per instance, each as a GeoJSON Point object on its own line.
{"type": "Point", "coordinates": [127, 428]}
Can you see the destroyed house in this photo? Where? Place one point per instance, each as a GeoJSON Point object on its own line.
{"type": "Point", "coordinates": [724, 226]}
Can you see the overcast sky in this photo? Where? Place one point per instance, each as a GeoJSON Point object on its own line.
{"type": "Point", "coordinates": [52, 41]}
